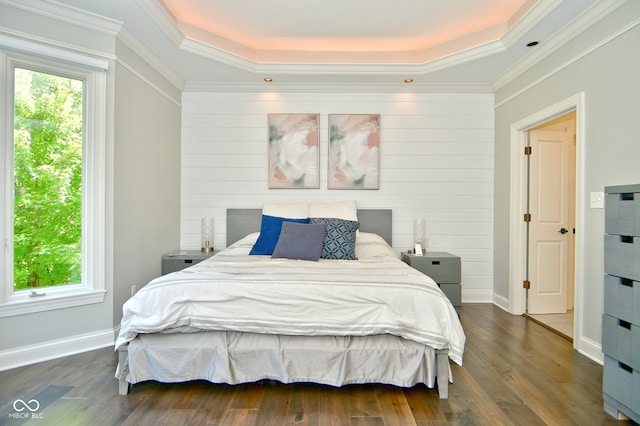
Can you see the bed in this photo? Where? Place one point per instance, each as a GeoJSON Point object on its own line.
{"type": "Point", "coordinates": [238, 318]}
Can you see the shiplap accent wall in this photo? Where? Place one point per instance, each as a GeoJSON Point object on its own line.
{"type": "Point", "coordinates": [436, 162]}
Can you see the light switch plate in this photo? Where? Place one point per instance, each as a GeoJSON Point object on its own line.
{"type": "Point", "coordinates": [597, 200]}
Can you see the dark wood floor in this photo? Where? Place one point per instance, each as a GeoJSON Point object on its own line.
{"type": "Point", "coordinates": [515, 373]}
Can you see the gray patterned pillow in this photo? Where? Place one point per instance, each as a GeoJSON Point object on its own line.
{"type": "Point", "coordinates": [339, 239]}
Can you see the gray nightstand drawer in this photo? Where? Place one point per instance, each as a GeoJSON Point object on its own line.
{"type": "Point", "coordinates": [444, 268]}
{"type": "Point", "coordinates": [178, 263]}
{"type": "Point", "coordinates": [454, 293]}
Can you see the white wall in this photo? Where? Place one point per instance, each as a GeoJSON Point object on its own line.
{"type": "Point", "coordinates": [436, 163]}
{"type": "Point", "coordinates": [604, 65]}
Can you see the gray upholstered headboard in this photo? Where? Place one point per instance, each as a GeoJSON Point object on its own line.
{"type": "Point", "coordinates": [241, 222]}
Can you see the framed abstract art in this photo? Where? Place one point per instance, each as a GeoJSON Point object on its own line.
{"type": "Point", "coordinates": [354, 151]}
{"type": "Point", "coordinates": [293, 151]}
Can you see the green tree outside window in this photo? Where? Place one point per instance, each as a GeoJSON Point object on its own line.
{"type": "Point", "coordinates": [48, 137]}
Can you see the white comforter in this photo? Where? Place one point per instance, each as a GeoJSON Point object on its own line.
{"type": "Point", "coordinates": [376, 294]}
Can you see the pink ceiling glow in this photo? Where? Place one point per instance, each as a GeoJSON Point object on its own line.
{"type": "Point", "coordinates": [339, 26]}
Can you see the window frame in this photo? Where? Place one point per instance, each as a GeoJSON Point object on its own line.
{"type": "Point", "coordinates": [92, 288]}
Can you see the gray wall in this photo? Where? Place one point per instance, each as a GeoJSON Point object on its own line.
{"type": "Point", "coordinates": [146, 181]}
{"type": "Point", "coordinates": [143, 189]}
{"type": "Point", "coordinates": [37, 328]}
{"type": "Point", "coordinates": [604, 64]}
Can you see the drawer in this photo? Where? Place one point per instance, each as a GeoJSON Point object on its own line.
{"type": "Point", "coordinates": [444, 268]}
{"type": "Point", "coordinates": [177, 264]}
{"type": "Point", "coordinates": [622, 256]}
{"type": "Point", "coordinates": [621, 382]}
{"type": "Point", "coordinates": [621, 341]}
{"type": "Point", "coordinates": [453, 293]}
{"type": "Point", "coordinates": [621, 295]}
{"type": "Point", "coordinates": [622, 213]}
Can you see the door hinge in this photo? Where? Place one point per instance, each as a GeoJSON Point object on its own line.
{"type": "Point", "coordinates": [526, 284]}
{"type": "Point", "coordinates": [527, 150]}
{"type": "Point", "coordinates": [527, 217]}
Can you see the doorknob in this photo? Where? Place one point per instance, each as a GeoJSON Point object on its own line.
{"type": "Point", "coordinates": [563, 231]}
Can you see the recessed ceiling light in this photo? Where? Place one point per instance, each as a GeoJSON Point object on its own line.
{"type": "Point", "coordinates": [532, 43]}
{"type": "Point", "coordinates": [268, 79]}
{"type": "Point", "coordinates": [408, 80]}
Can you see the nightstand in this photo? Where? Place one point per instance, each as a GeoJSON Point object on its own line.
{"type": "Point", "coordinates": [173, 263]}
{"type": "Point", "coordinates": [445, 270]}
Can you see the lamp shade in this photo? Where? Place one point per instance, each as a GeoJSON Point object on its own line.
{"type": "Point", "coordinates": [420, 231]}
{"type": "Point", "coordinates": [206, 234]}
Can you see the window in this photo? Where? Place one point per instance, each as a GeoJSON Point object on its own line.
{"type": "Point", "coordinates": [53, 185]}
{"type": "Point", "coordinates": [47, 178]}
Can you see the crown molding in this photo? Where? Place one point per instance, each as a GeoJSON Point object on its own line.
{"type": "Point", "coordinates": [337, 88]}
{"type": "Point", "coordinates": [68, 14]}
{"type": "Point", "coordinates": [438, 58]}
{"type": "Point", "coordinates": [219, 55]}
{"type": "Point", "coordinates": [150, 58]}
{"type": "Point", "coordinates": [83, 19]}
{"type": "Point", "coordinates": [531, 17]}
{"type": "Point", "coordinates": [132, 69]}
{"type": "Point", "coordinates": [163, 19]}
{"type": "Point", "coordinates": [594, 14]}
{"type": "Point", "coordinates": [569, 62]}
{"type": "Point", "coordinates": [216, 54]}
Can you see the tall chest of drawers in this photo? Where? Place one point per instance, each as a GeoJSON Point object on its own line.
{"type": "Point", "coordinates": [621, 319]}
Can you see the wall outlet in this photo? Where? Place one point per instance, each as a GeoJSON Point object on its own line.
{"type": "Point", "coordinates": [133, 289]}
{"type": "Point", "coordinates": [597, 200]}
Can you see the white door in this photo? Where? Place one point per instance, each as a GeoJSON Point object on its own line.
{"type": "Point", "coordinates": [551, 226]}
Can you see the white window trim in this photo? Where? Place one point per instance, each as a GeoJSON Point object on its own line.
{"type": "Point", "coordinates": [93, 286]}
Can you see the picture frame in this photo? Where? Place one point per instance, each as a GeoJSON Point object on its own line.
{"type": "Point", "coordinates": [354, 151]}
{"type": "Point", "coordinates": [293, 150]}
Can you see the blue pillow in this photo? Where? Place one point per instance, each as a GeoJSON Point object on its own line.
{"type": "Point", "coordinates": [270, 232]}
{"type": "Point", "coordinates": [339, 239]}
{"type": "Point", "coordinates": [300, 241]}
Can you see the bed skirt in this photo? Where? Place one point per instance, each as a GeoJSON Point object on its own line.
{"type": "Point", "coordinates": [234, 357]}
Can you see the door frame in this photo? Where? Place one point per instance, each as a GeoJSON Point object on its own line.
{"type": "Point", "coordinates": [518, 202]}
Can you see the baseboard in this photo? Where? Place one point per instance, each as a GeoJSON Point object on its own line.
{"type": "Point", "coordinates": [501, 302]}
{"type": "Point", "coordinates": [591, 349]}
{"type": "Point", "coordinates": [477, 296]}
{"type": "Point", "coordinates": [32, 354]}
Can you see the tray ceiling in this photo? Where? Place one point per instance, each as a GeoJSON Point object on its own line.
{"type": "Point", "coordinates": [462, 43]}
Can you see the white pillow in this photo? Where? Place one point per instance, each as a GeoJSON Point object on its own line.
{"type": "Point", "coordinates": [346, 210]}
{"type": "Point", "coordinates": [287, 210]}
{"type": "Point", "coordinates": [369, 245]}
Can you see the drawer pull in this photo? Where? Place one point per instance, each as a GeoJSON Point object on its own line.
{"type": "Point", "coordinates": [188, 261]}
{"type": "Point", "coordinates": [435, 262]}
{"type": "Point", "coordinates": [626, 282]}
{"type": "Point", "coordinates": [626, 239]}
{"type": "Point", "coordinates": [625, 367]}
{"type": "Point", "coordinates": [624, 324]}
